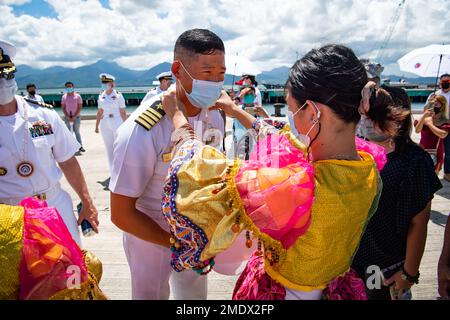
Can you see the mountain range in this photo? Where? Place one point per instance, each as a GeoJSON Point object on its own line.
{"type": "Point", "coordinates": [88, 76]}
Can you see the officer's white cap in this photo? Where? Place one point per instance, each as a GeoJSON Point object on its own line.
{"type": "Point", "coordinates": [8, 49]}
{"type": "Point", "coordinates": [166, 74]}
{"type": "Point", "coordinates": [105, 77]}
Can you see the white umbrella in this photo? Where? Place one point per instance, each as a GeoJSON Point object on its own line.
{"type": "Point", "coordinates": [431, 61]}
{"type": "Point", "coordinates": [237, 66]}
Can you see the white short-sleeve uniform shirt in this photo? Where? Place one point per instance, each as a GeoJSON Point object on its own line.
{"type": "Point", "coordinates": [141, 160]}
{"type": "Point", "coordinates": [111, 103]}
{"type": "Point", "coordinates": [152, 93]}
{"type": "Point", "coordinates": [48, 142]}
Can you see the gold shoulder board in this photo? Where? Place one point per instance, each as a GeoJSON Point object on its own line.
{"type": "Point", "coordinates": [40, 104]}
{"type": "Point", "coordinates": [150, 117]}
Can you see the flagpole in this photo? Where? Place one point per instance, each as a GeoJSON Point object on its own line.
{"type": "Point", "coordinates": [437, 76]}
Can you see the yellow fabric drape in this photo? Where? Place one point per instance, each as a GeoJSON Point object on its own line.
{"type": "Point", "coordinates": [11, 235]}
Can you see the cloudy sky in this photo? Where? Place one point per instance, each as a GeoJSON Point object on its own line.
{"type": "Point", "coordinates": [139, 34]}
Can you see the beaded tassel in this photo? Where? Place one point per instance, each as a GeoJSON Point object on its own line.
{"type": "Point", "coordinates": [236, 227]}
{"type": "Point", "coordinates": [249, 241]}
{"type": "Point", "coordinates": [259, 251]}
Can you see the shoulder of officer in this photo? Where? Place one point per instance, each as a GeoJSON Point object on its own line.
{"type": "Point", "coordinates": [152, 115]}
{"type": "Point", "coordinates": [36, 104]}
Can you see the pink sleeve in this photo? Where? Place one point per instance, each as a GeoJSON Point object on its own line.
{"type": "Point", "coordinates": [79, 99]}
{"type": "Point", "coordinates": [63, 99]}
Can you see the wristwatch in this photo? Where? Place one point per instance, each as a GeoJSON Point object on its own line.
{"type": "Point", "coordinates": [407, 277]}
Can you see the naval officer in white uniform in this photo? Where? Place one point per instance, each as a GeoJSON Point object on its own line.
{"type": "Point", "coordinates": [142, 154]}
{"type": "Point", "coordinates": [165, 80]}
{"type": "Point", "coordinates": [35, 146]}
{"type": "Point", "coordinates": [111, 113]}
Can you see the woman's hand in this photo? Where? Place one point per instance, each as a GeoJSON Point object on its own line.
{"type": "Point", "coordinates": [174, 110]}
{"type": "Point", "coordinates": [399, 283]}
{"type": "Point", "coordinates": [170, 102]}
{"type": "Point", "coordinates": [226, 104]}
{"type": "Point", "coordinates": [245, 91]}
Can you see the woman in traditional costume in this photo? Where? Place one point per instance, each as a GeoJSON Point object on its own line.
{"type": "Point", "coordinates": [304, 197]}
{"type": "Point", "coordinates": [39, 260]}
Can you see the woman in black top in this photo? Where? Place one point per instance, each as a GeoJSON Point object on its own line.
{"type": "Point", "coordinates": [394, 240]}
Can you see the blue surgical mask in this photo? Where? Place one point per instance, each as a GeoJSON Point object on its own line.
{"type": "Point", "coordinates": [69, 90]}
{"type": "Point", "coordinates": [105, 86]}
{"type": "Point", "coordinates": [204, 94]}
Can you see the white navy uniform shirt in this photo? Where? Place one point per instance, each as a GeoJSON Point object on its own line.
{"type": "Point", "coordinates": [36, 97]}
{"type": "Point", "coordinates": [141, 159]}
{"type": "Point", "coordinates": [154, 92]}
{"type": "Point", "coordinates": [111, 103]}
{"type": "Point", "coordinates": [45, 149]}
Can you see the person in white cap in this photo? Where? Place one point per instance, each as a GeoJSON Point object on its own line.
{"type": "Point", "coordinates": [35, 149]}
{"type": "Point", "coordinates": [165, 80]}
{"type": "Point", "coordinates": [142, 155]}
{"type": "Point", "coordinates": [248, 81]}
{"type": "Point", "coordinates": [111, 113]}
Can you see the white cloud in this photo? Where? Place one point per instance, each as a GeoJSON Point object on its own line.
{"type": "Point", "coordinates": [139, 34]}
{"type": "Point", "coordinates": [14, 2]}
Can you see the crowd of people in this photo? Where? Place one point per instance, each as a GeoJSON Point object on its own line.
{"type": "Point", "coordinates": [185, 208]}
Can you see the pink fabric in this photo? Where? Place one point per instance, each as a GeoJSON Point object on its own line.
{"type": "Point", "coordinates": [277, 201]}
{"type": "Point", "coordinates": [71, 102]}
{"type": "Point", "coordinates": [255, 284]}
{"type": "Point", "coordinates": [347, 287]}
{"type": "Point", "coordinates": [378, 152]}
{"type": "Point", "coordinates": [50, 256]}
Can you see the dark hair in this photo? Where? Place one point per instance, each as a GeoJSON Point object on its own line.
{"type": "Point", "coordinates": [444, 75]}
{"type": "Point", "coordinates": [198, 41]}
{"type": "Point", "coordinates": [403, 104]}
{"type": "Point", "coordinates": [334, 76]}
{"type": "Point", "coordinates": [67, 83]}
{"type": "Point", "coordinates": [386, 112]}
{"type": "Point", "coordinates": [253, 80]}
{"type": "Point", "coordinates": [331, 75]}
{"type": "Point", "coordinates": [31, 85]}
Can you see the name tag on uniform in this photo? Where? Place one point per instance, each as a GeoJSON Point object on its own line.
{"type": "Point", "coordinates": [166, 157]}
{"type": "Point", "coordinates": [40, 128]}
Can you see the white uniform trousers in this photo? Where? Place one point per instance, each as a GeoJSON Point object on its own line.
{"type": "Point", "coordinates": [63, 203]}
{"type": "Point", "coordinates": [108, 128]}
{"type": "Point", "coordinates": [151, 273]}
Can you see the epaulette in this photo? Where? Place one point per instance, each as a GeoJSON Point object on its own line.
{"type": "Point", "coordinates": [40, 104]}
{"type": "Point", "coordinates": [150, 117]}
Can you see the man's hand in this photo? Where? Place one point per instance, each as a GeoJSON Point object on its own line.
{"type": "Point", "coordinates": [96, 130]}
{"type": "Point", "coordinates": [399, 283]}
{"type": "Point", "coordinates": [226, 104]}
{"type": "Point", "coordinates": [444, 281]}
{"type": "Point", "coordinates": [89, 212]}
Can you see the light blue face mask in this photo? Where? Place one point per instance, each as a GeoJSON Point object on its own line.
{"type": "Point", "coordinates": [69, 90]}
{"type": "Point", "coordinates": [204, 94]}
{"type": "Point", "coordinates": [105, 86]}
